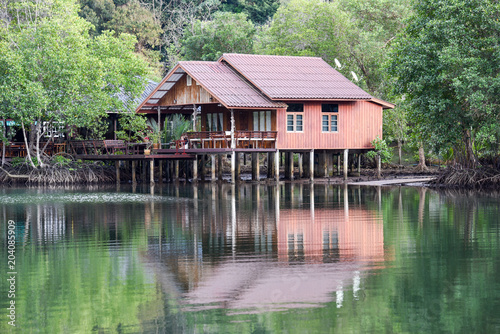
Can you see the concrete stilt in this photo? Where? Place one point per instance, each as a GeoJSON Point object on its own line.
{"type": "Point", "coordinates": [152, 172]}
{"type": "Point", "coordinates": [233, 167]}
{"type": "Point", "coordinates": [290, 161]}
{"type": "Point", "coordinates": [270, 161]}
{"type": "Point", "coordinates": [219, 166]}
{"type": "Point", "coordinates": [117, 168]}
{"type": "Point", "coordinates": [346, 161]}
{"type": "Point", "coordinates": [134, 180]}
{"type": "Point", "coordinates": [301, 165]}
{"type": "Point", "coordinates": [195, 169]}
{"type": "Point", "coordinates": [212, 165]}
{"type": "Point", "coordinates": [277, 165]}
{"type": "Point", "coordinates": [311, 165]}
{"type": "Point", "coordinates": [255, 167]}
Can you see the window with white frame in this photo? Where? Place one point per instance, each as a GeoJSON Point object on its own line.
{"type": "Point", "coordinates": [53, 129]}
{"type": "Point", "coordinates": [329, 117]}
{"type": "Point", "coordinates": [262, 120]}
{"type": "Point", "coordinates": [295, 117]}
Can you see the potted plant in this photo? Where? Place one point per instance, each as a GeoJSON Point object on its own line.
{"type": "Point", "coordinates": [154, 133]}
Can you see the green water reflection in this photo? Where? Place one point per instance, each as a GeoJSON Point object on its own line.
{"type": "Point", "coordinates": [252, 259]}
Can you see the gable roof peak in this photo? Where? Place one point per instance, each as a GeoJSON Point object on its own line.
{"type": "Point", "coordinates": [294, 77]}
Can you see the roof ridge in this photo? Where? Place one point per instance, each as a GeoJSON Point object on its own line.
{"type": "Point", "coordinates": [258, 55]}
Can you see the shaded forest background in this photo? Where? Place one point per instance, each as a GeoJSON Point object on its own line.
{"type": "Point", "coordinates": [438, 61]}
{"type": "Point", "coordinates": [398, 50]}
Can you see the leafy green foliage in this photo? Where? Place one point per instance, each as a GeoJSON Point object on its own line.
{"type": "Point", "coordinates": [380, 148]}
{"type": "Point", "coordinates": [154, 130]}
{"type": "Point", "coordinates": [52, 70]}
{"type": "Point", "coordinates": [307, 28]}
{"type": "Point", "coordinates": [175, 126]}
{"type": "Point", "coordinates": [375, 25]}
{"type": "Point", "coordinates": [258, 11]}
{"type": "Point", "coordinates": [447, 65]}
{"type": "Point", "coordinates": [131, 126]}
{"type": "Point", "coordinates": [18, 161]}
{"type": "Point", "coordinates": [355, 32]}
{"type": "Point", "coordinates": [61, 160]}
{"type": "Point", "coordinates": [226, 32]}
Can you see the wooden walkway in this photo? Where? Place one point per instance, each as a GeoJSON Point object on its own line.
{"type": "Point", "coordinates": [392, 182]}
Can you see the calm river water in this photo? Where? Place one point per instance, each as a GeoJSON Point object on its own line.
{"type": "Point", "coordinates": [250, 259]}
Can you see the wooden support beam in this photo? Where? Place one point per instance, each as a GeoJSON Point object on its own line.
{"type": "Point", "coordinates": [338, 164]}
{"type": "Point", "coordinates": [219, 166]}
{"type": "Point", "coordinates": [311, 165]}
{"type": "Point", "coordinates": [212, 165]}
{"type": "Point", "coordinates": [134, 180]}
{"type": "Point", "coordinates": [176, 171]}
{"type": "Point", "coordinates": [203, 166]}
{"type": "Point", "coordinates": [287, 165]}
{"type": "Point", "coordinates": [152, 172]}
{"type": "Point", "coordinates": [325, 163]}
{"type": "Point", "coordinates": [160, 171]}
{"type": "Point", "coordinates": [270, 162]}
{"type": "Point", "coordinates": [379, 166]}
{"type": "Point", "coordinates": [237, 162]}
{"type": "Point", "coordinates": [255, 167]}
{"type": "Point", "coordinates": [359, 164]}
{"type": "Point", "coordinates": [301, 165]}
{"type": "Point", "coordinates": [117, 170]}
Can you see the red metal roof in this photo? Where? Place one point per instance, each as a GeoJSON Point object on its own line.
{"type": "Point", "coordinates": [260, 81]}
{"type": "Point", "coordinates": [285, 77]}
{"type": "Point", "coordinates": [226, 85]}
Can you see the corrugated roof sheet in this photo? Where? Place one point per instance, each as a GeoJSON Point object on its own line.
{"type": "Point", "coordinates": [130, 104]}
{"type": "Point", "coordinates": [286, 77]}
{"type": "Point", "coordinates": [227, 86]}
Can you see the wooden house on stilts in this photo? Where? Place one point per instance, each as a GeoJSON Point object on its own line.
{"type": "Point", "coordinates": [254, 104]}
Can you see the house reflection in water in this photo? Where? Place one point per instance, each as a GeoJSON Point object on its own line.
{"type": "Point", "coordinates": [277, 248]}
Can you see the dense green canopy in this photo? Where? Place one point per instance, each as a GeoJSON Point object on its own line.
{"type": "Point", "coordinates": [52, 71]}
{"type": "Point", "coordinates": [447, 65]}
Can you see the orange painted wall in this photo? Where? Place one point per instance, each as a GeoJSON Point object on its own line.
{"type": "Point", "coordinates": [359, 123]}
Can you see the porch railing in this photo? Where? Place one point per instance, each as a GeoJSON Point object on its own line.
{"type": "Point", "coordinates": [222, 139]}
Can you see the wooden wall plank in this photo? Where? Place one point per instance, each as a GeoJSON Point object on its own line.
{"type": "Point", "coordinates": [359, 123]}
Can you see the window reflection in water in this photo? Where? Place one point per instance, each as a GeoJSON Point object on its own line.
{"type": "Point", "coordinates": [248, 246]}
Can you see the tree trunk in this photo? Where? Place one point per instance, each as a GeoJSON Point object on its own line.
{"type": "Point", "coordinates": [421, 158]}
{"type": "Point", "coordinates": [470, 156]}
{"type": "Point", "coordinates": [4, 124]}
{"type": "Point", "coordinates": [37, 148]}
{"type": "Point", "coordinates": [400, 145]}
{"type": "Point", "coordinates": [28, 153]}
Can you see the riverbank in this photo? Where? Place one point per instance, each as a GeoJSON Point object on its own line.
{"type": "Point", "coordinates": [101, 173]}
{"type": "Point", "coordinates": [69, 172]}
